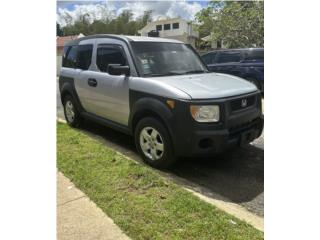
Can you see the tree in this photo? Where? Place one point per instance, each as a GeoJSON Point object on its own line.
{"type": "Point", "coordinates": [238, 24]}
{"type": "Point", "coordinates": [123, 24]}
{"type": "Point", "coordinates": [59, 30]}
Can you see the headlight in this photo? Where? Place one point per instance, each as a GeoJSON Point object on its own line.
{"type": "Point", "coordinates": [207, 113]}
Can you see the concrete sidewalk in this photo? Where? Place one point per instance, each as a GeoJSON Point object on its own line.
{"type": "Point", "coordinates": [79, 218]}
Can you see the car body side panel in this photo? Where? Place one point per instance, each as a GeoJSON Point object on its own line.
{"type": "Point", "coordinates": [110, 98]}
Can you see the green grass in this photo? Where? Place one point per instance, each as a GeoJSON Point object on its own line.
{"type": "Point", "coordinates": [140, 201]}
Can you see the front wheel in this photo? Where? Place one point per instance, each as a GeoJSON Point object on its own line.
{"type": "Point", "coordinates": [153, 143]}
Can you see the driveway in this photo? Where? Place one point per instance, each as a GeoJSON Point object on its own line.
{"type": "Point", "coordinates": [236, 176]}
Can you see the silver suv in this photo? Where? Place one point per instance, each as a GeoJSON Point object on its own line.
{"type": "Point", "coordinates": [159, 91]}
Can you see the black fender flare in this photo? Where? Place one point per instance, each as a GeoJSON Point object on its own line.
{"type": "Point", "coordinates": [149, 106]}
{"type": "Point", "coordinates": [66, 86]}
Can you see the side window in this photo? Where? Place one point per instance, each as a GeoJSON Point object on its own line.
{"type": "Point", "coordinates": [109, 54]}
{"type": "Point", "coordinates": [70, 57]}
{"type": "Point", "coordinates": [254, 55]}
{"type": "Point", "coordinates": [84, 56]}
{"type": "Point", "coordinates": [226, 57]}
{"type": "Point", "coordinates": [209, 58]}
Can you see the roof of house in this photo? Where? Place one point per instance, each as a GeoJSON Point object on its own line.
{"type": "Point", "coordinates": [124, 38]}
{"type": "Point", "coordinates": [61, 41]}
{"type": "Point", "coordinates": [207, 38]}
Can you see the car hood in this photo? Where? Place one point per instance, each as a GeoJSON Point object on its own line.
{"type": "Point", "coordinates": [209, 85]}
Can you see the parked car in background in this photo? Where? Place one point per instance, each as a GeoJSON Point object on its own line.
{"type": "Point", "coordinates": [245, 63]}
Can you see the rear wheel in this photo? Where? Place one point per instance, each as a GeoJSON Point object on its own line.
{"type": "Point", "coordinates": [71, 113]}
{"type": "Point", "coordinates": [153, 143]}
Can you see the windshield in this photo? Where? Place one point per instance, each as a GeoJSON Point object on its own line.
{"type": "Point", "coordinates": [163, 59]}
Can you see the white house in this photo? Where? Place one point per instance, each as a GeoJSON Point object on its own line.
{"type": "Point", "coordinates": [212, 43]}
{"type": "Point", "coordinates": [174, 28]}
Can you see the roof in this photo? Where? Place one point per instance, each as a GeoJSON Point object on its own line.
{"type": "Point", "coordinates": [152, 39]}
{"type": "Point", "coordinates": [207, 38]}
{"type": "Point", "coordinates": [124, 38]}
{"type": "Point", "coordinates": [61, 41]}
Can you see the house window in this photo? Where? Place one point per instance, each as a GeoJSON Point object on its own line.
{"type": "Point", "coordinates": [166, 26]}
{"type": "Point", "coordinates": [159, 27]}
{"type": "Point", "coordinates": [175, 25]}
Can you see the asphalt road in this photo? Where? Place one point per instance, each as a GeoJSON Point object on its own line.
{"type": "Point", "coordinates": [236, 176]}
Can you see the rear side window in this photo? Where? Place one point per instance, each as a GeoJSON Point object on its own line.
{"type": "Point", "coordinates": [84, 56]}
{"type": "Point", "coordinates": [225, 57]}
{"type": "Point", "coordinates": [70, 57]}
{"type": "Point", "coordinates": [109, 54]}
{"type": "Point", "coordinates": [254, 55]}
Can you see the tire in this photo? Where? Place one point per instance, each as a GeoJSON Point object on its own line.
{"type": "Point", "coordinates": [71, 113]}
{"type": "Point", "coordinates": [149, 134]}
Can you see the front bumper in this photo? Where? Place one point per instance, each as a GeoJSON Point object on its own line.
{"type": "Point", "coordinates": [213, 142]}
{"type": "Point", "coordinates": [237, 127]}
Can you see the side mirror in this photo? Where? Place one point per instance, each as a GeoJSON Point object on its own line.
{"type": "Point", "coordinates": [117, 69]}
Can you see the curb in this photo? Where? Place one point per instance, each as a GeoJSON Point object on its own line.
{"type": "Point", "coordinates": [233, 209]}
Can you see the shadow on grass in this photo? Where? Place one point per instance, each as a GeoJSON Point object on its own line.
{"type": "Point", "coordinates": [236, 176]}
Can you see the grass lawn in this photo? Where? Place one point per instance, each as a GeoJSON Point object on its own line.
{"type": "Point", "coordinates": [140, 201]}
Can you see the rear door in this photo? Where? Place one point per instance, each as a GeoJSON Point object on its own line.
{"type": "Point", "coordinates": [69, 69]}
{"type": "Point", "coordinates": [107, 95]}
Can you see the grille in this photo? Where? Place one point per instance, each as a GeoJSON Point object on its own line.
{"type": "Point", "coordinates": [236, 130]}
{"type": "Point", "coordinates": [238, 103]}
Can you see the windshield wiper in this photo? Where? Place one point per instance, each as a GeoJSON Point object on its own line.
{"type": "Point", "coordinates": [162, 74]}
{"type": "Point", "coordinates": [172, 73]}
{"type": "Point", "coordinates": [195, 71]}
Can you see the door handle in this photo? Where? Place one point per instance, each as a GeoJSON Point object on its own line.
{"type": "Point", "coordinates": [92, 82]}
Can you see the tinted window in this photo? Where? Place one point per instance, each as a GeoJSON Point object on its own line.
{"type": "Point", "coordinates": [109, 54]}
{"type": "Point", "coordinates": [253, 55]}
{"type": "Point", "coordinates": [159, 27]}
{"type": "Point", "coordinates": [160, 59]}
{"type": "Point", "coordinates": [175, 25]}
{"type": "Point", "coordinates": [225, 57]}
{"type": "Point", "coordinates": [69, 57]}
{"type": "Point", "coordinates": [209, 58]}
{"type": "Point", "coordinates": [84, 56]}
{"type": "Point", "coordinates": [166, 26]}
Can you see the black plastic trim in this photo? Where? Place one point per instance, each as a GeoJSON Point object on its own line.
{"type": "Point", "coordinates": [106, 122]}
{"type": "Point", "coordinates": [66, 86]}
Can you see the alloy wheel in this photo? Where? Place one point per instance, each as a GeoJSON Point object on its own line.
{"type": "Point", "coordinates": [151, 143]}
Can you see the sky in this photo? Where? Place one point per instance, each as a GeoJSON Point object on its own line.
{"type": "Point", "coordinates": [177, 8]}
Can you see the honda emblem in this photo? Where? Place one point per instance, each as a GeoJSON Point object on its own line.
{"type": "Point", "coordinates": [244, 103]}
